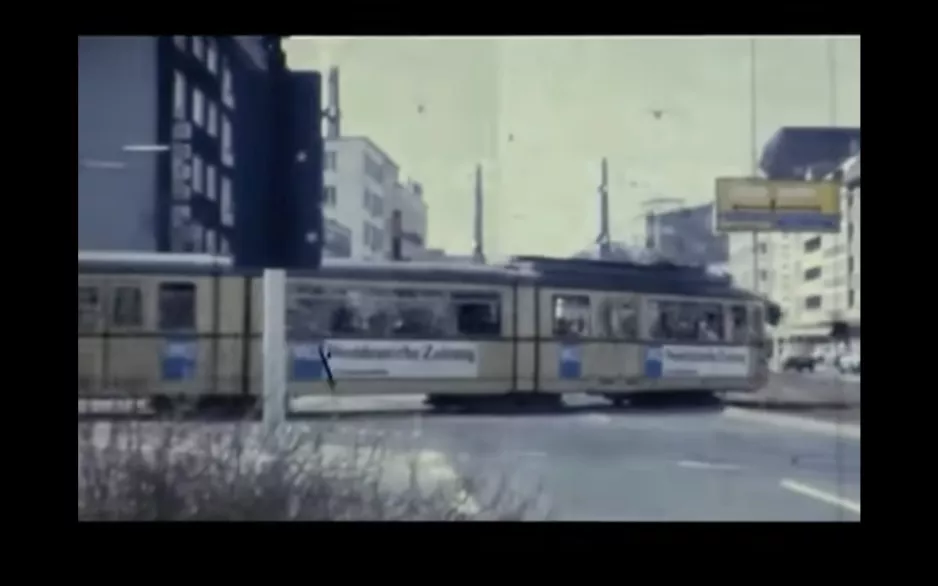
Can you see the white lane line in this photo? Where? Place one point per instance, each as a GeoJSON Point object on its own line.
{"type": "Point", "coordinates": [820, 495]}
{"type": "Point", "coordinates": [697, 465]}
{"type": "Point", "coordinates": [847, 430]}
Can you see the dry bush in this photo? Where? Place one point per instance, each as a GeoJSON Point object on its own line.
{"type": "Point", "coordinates": [139, 471]}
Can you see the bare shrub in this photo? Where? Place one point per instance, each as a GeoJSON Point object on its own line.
{"type": "Point", "coordinates": [139, 471]}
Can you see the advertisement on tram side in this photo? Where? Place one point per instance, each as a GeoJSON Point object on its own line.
{"type": "Point", "coordinates": [697, 361]}
{"type": "Point", "coordinates": [366, 359]}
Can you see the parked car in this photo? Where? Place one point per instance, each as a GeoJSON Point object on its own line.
{"type": "Point", "coordinates": [848, 363]}
{"type": "Point", "coordinates": [799, 363]}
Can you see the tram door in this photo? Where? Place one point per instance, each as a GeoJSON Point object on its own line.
{"type": "Point", "coordinates": [624, 353]}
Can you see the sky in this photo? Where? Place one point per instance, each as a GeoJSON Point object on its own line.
{"type": "Point", "coordinates": [670, 115]}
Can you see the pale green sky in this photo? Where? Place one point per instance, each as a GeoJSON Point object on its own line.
{"type": "Point", "coordinates": [568, 102]}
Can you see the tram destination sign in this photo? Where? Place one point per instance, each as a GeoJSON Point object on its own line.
{"type": "Point", "coordinates": [750, 204]}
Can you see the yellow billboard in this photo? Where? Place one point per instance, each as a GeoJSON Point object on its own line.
{"type": "Point", "coordinates": [747, 205]}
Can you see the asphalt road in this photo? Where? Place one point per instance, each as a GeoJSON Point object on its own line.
{"type": "Point", "coordinates": [597, 463]}
{"type": "Point", "coordinates": [708, 465]}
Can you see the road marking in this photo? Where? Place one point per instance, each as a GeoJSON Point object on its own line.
{"type": "Point", "coordinates": [597, 418]}
{"type": "Point", "coordinates": [847, 430]}
{"type": "Point", "coordinates": [820, 495]}
{"type": "Point", "coordinates": [698, 465]}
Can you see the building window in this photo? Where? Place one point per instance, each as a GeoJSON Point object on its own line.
{"type": "Point", "coordinates": [180, 220]}
{"type": "Point", "coordinates": [763, 275]}
{"type": "Point", "coordinates": [812, 302]}
{"type": "Point", "coordinates": [180, 42]}
{"type": "Point", "coordinates": [366, 200]}
{"type": "Point", "coordinates": [227, 203]}
{"type": "Point", "coordinates": [763, 248]}
{"type": "Point", "coordinates": [223, 247]}
{"type": "Point", "coordinates": [179, 96]}
{"type": "Point", "coordinates": [212, 122]}
{"type": "Point", "coordinates": [329, 195]}
{"type": "Point", "coordinates": [198, 47]}
{"type": "Point", "coordinates": [210, 192]}
{"type": "Point", "coordinates": [227, 150]}
{"type": "Point", "coordinates": [812, 244]}
{"type": "Point", "coordinates": [374, 169]}
{"type": "Point", "coordinates": [211, 55]}
{"type": "Point", "coordinates": [198, 107]}
{"type": "Point", "coordinates": [812, 274]}
{"type": "Point", "coordinates": [330, 161]}
{"type": "Point", "coordinates": [852, 297]}
{"type": "Point", "coordinates": [210, 241]}
{"type": "Point", "coordinates": [366, 234]}
{"type": "Point", "coordinates": [850, 230]}
{"type": "Point", "coordinates": [227, 87]}
{"type": "Point", "coordinates": [197, 173]}
{"type": "Point", "coordinates": [198, 237]}
{"type": "Point", "coordinates": [851, 265]}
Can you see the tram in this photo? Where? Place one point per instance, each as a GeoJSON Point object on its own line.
{"type": "Point", "coordinates": [170, 328]}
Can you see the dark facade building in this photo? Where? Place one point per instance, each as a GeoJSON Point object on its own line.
{"type": "Point", "coordinates": [687, 236]}
{"type": "Point", "coordinates": [198, 144]}
{"type": "Point", "coordinates": [796, 152]}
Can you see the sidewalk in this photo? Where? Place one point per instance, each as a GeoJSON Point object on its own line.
{"type": "Point", "coordinates": [802, 392]}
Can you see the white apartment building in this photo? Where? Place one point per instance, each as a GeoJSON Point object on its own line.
{"type": "Point", "coordinates": [815, 278]}
{"type": "Point", "coordinates": [363, 200]}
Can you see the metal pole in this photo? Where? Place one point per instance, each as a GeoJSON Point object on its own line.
{"type": "Point", "coordinates": [604, 236]}
{"type": "Point", "coordinates": [753, 154]}
{"type": "Point", "coordinates": [274, 347]}
{"type": "Point", "coordinates": [841, 384]}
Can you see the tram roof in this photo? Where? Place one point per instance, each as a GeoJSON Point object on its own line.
{"type": "Point", "coordinates": [662, 278]}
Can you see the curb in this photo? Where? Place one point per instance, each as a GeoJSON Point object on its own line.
{"type": "Point", "coordinates": [770, 405]}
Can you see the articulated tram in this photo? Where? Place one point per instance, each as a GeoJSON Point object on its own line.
{"type": "Point", "coordinates": [168, 327]}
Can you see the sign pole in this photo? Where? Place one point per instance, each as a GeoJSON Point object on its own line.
{"type": "Point", "coordinates": [754, 152]}
{"type": "Point", "coordinates": [274, 348]}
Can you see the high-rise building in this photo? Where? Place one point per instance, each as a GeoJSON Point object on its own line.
{"type": "Point", "coordinates": [179, 143]}
{"type": "Point", "coordinates": [815, 278]}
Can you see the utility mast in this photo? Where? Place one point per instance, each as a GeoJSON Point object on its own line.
{"type": "Point", "coordinates": [478, 247]}
{"type": "Point", "coordinates": [604, 239]}
{"type": "Point", "coordinates": [332, 113]}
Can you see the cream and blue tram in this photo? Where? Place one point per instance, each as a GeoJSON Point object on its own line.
{"type": "Point", "coordinates": [169, 327]}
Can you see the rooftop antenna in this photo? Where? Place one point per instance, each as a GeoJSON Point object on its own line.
{"type": "Point", "coordinates": [332, 113]}
{"type": "Point", "coordinates": [478, 249]}
{"type": "Point", "coordinates": [603, 240]}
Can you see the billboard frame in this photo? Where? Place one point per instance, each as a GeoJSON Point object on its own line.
{"type": "Point", "coordinates": [751, 204]}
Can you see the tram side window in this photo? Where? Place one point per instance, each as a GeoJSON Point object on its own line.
{"type": "Point", "coordinates": [127, 307]}
{"type": "Point", "coordinates": [89, 306]}
{"type": "Point", "coordinates": [177, 306]}
{"type": "Point", "coordinates": [688, 321]}
{"type": "Point", "coordinates": [622, 319]}
{"type": "Point", "coordinates": [421, 313]}
{"type": "Point", "coordinates": [477, 314]}
{"type": "Point", "coordinates": [310, 310]}
{"type": "Point", "coordinates": [740, 322]}
{"type": "Point", "coordinates": [372, 313]}
{"type": "Point", "coordinates": [572, 315]}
